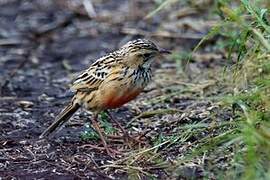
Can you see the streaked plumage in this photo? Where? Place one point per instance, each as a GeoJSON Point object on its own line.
{"type": "Point", "coordinates": [111, 81]}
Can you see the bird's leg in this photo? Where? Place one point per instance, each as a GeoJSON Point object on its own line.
{"type": "Point", "coordinates": [97, 128]}
{"type": "Point", "coordinates": [117, 123]}
{"type": "Point", "coordinates": [126, 135]}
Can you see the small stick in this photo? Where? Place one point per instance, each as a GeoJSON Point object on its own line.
{"type": "Point", "coordinates": [89, 8]}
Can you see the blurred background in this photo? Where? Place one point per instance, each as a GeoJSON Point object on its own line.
{"type": "Point", "coordinates": [206, 113]}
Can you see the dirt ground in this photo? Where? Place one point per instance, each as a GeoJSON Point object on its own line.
{"type": "Point", "coordinates": [45, 44]}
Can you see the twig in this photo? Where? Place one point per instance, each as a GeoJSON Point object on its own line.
{"type": "Point", "coordinates": [6, 98]}
{"type": "Point", "coordinates": [186, 11]}
{"type": "Point", "coordinates": [48, 28]}
{"type": "Point", "coordinates": [11, 42]}
{"type": "Point", "coordinates": [89, 8]}
{"type": "Point", "coordinates": [31, 153]}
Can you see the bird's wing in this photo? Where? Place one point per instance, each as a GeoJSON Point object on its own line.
{"type": "Point", "coordinates": [91, 78]}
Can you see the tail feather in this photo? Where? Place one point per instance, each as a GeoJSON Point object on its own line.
{"type": "Point", "coordinates": [64, 116]}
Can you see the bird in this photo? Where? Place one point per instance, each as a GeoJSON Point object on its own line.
{"type": "Point", "coordinates": [110, 82]}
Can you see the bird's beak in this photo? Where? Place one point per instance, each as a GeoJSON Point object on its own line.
{"type": "Point", "coordinates": [164, 51]}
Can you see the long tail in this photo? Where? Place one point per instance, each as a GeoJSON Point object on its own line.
{"type": "Point", "coordinates": [64, 116]}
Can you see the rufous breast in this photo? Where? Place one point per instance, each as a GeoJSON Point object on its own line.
{"type": "Point", "coordinates": [117, 99]}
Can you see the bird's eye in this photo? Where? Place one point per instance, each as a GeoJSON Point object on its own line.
{"type": "Point", "coordinates": [147, 55]}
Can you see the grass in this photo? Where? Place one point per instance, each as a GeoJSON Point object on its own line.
{"type": "Point", "coordinates": [251, 84]}
{"type": "Point", "coordinates": [244, 28]}
{"type": "Point", "coordinates": [245, 32]}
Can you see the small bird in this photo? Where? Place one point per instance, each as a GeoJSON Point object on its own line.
{"type": "Point", "coordinates": [110, 82]}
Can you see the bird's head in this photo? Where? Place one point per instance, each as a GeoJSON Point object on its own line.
{"type": "Point", "coordinates": [140, 52]}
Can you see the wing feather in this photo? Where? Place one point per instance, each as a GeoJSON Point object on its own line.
{"type": "Point", "coordinates": [91, 78]}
